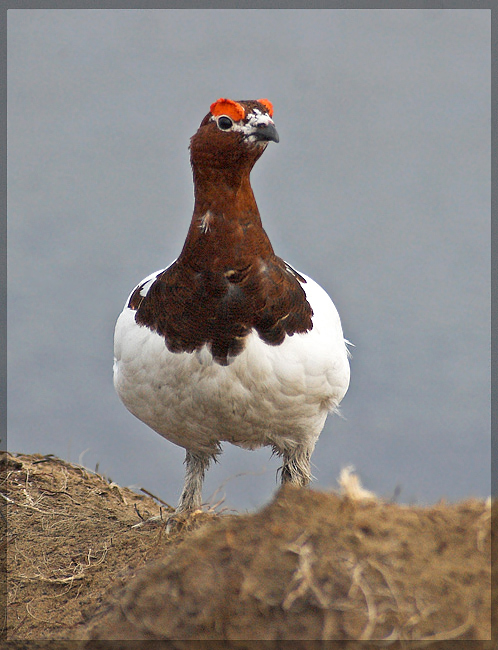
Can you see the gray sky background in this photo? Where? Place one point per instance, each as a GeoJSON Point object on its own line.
{"type": "Point", "coordinates": [379, 189]}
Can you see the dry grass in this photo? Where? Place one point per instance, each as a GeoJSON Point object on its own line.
{"type": "Point", "coordinates": [71, 536]}
{"type": "Point", "coordinates": [86, 561]}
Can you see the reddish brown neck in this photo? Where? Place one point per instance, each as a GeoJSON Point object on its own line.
{"type": "Point", "coordinates": [226, 230]}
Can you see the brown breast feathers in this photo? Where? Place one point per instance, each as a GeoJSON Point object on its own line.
{"type": "Point", "coordinates": [227, 280]}
{"type": "Point", "coordinates": [191, 308]}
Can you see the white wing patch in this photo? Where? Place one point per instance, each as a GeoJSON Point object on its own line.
{"type": "Point", "coordinates": [146, 284]}
{"type": "Point", "coordinates": [145, 287]}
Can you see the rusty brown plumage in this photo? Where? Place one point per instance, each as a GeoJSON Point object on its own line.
{"type": "Point", "coordinates": [227, 280]}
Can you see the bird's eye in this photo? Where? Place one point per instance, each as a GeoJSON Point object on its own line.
{"type": "Point", "coordinates": [224, 123]}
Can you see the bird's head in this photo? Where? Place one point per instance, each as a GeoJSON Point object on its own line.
{"type": "Point", "coordinates": [233, 134]}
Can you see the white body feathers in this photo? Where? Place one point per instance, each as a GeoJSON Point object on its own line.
{"type": "Point", "coordinates": [276, 395]}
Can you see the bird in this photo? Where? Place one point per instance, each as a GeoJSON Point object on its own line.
{"type": "Point", "coordinates": [229, 343]}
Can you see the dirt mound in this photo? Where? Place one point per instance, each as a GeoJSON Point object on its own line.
{"type": "Point", "coordinates": [70, 538]}
{"type": "Point", "coordinates": [310, 565]}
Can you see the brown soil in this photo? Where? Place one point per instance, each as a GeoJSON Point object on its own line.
{"type": "Point", "coordinates": [310, 566]}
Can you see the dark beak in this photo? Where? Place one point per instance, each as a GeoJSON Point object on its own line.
{"type": "Point", "coordinates": [266, 133]}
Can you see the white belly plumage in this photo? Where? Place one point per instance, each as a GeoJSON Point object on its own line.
{"type": "Point", "coordinates": [267, 395]}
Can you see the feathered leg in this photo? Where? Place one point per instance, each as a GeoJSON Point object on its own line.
{"type": "Point", "coordinates": [195, 467]}
{"type": "Point", "coordinates": [296, 468]}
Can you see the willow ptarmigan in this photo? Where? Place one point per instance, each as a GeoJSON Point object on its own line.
{"type": "Point", "coordinates": [229, 342]}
